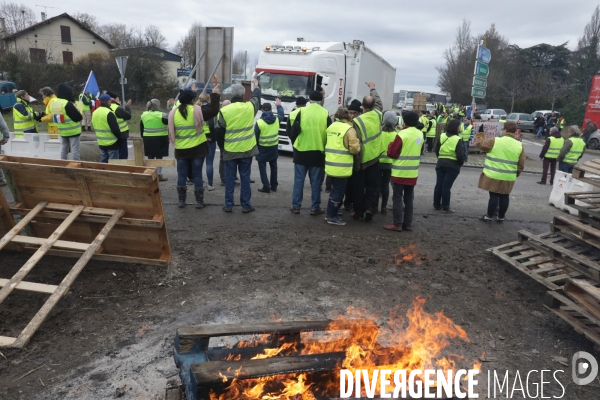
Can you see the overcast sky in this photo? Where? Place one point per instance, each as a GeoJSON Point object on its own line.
{"type": "Point", "coordinates": [412, 36]}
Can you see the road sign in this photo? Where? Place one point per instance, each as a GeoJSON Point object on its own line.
{"type": "Point", "coordinates": [481, 69]}
{"type": "Point", "coordinates": [479, 82]}
{"type": "Point", "coordinates": [123, 81]}
{"type": "Point", "coordinates": [479, 93]}
{"type": "Point", "coordinates": [484, 54]}
{"type": "Point", "coordinates": [184, 72]}
{"type": "Point", "coordinates": [121, 64]}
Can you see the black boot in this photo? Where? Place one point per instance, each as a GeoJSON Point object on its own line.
{"type": "Point", "coordinates": [199, 192]}
{"type": "Point", "coordinates": [181, 191]}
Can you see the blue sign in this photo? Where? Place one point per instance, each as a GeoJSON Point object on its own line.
{"type": "Point", "coordinates": [183, 72]}
{"type": "Point", "coordinates": [484, 55]}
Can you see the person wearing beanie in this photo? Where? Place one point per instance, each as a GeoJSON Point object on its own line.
{"type": "Point", "coordinates": [108, 133]}
{"type": "Point", "coordinates": [68, 120]}
{"type": "Point", "coordinates": [266, 130]}
{"type": "Point", "coordinates": [186, 132]}
{"type": "Point", "coordinates": [234, 131]}
{"type": "Point", "coordinates": [572, 150]}
{"type": "Point", "coordinates": [405, 152]}
{"type": "Point", "coordinates": [450, 153]}
{"type": "Point", "coordinates": [389, 132]}
{"type": "Point", "coordinates": [155, 133]}
{"type": "Point", "coordinates": [504, 162]}
{"type": "Point", "coordinates": [309, 136]}
{"type": "Point", "coordinates": [355, 108]}
{"type": "Point", "coordinates": [123, 114]}
{"type": "Point", "coordinates": [366, 180]}
{"type": "Point", "coordinates": [300, 103]}
{"type": "Point", "coordinates": [342, 143]}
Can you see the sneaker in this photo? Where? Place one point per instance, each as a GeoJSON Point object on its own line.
{"type": "Point", "coordinates": [3, 182]}
{"type": "Point", "coordinates": [227, 209]}
{"type": "Point", "coordinates": [210, 188]}
{"type": "Point", "coordinates": [392, 227]}
{"type": "Point", "coordinates": [369, 216]}
{"type": "Point", "coordinates": [485, 218]}
{"type": "Point", "coordinates": [318, 211]}
{"type": "Point", "coordinates": [447, 211]}
{"type": "Point", "coordinates": [541, 183]}
{"type": "Point", "coordinates": [263, 190]}
{"type": "Point", "coordinates": [248, 210]}
{"type": "Point", "coordinates": [336, 221]}
{"type": "Point", "coordinates": [295, 210]}
{"type": "Point", "coordinates": [499, 220]}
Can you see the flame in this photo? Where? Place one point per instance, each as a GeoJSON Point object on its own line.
{"type": "Point", "coordinates": [406, 254]}
{"type": "Point", "coordinates": [416, 341]}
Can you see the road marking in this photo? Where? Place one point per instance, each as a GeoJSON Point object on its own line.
{"type": "Point", "coordinates": [532, 143]}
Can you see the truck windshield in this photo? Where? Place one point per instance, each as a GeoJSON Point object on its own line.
{"type": "Point", "coordinates": [285, 85]}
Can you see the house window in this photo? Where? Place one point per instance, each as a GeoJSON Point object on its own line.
{"type": "Point", "coordinates": [67, 57]}
{"type": "Point", "coordinates": [65, 34]}
{"type": "Point", "coordinates": [37, 55]}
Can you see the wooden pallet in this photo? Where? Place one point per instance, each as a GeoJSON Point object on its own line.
{"type": "Point", "coordinates": [588, 231]}
{"type": "Point", "coordinates": [585, 293]}
{"type": "Point", "coordinates": [591, 167]}
{"type": "Point", "coordinates": [535, 263]}
{"type": "Point", "coordinates": [44, 245]}
{"type": "Point", "coordinates": [580, 319]}
{"type": "Point", "coordinates": [590, 210]}
{"type": "Point", "coordinates": [139, 237]}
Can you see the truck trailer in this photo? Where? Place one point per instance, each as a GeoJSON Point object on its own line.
{"type": "Point", "coordinates": [295, 68]}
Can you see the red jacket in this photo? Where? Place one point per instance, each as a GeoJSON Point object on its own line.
{"type": "Point", "coordinates": [393, 152]}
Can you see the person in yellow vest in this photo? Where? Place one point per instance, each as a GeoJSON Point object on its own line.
{"type": "Point", "coordinates": [430, 133]}
{"type": "Point", "coordinates": [48, 97]}
{"type": "Point", "coordinates": [186, 132]}
{"type": "Point", "coordinates": [23, 115]}
{"type": "Point", "coordinates": [155, 133]}
{"type": "Point", "coordinates": [354, 110]}
{"type": "Point", "coordinates": [466, 132]}
{"type": "Point", "coordinates": [502, 119]}
{"type": "Point", "coordinates": [561, 123]}
{"type": "Point", "coordinates": [266, 130]}
{"type": "Point", "coordinates": [504, 162]}
{"type": "Point", "coordinates": [123, 114]}
{"type": "Point", "coordinates": [108, 133]}
{"type": "Point", "coordinates": [366, 180]}
{"type": "Point", "coordinates": [550, 153]}
{"type": "Point", "coordinates": [425, 122]}
{"type": "Point", "coordinates": [300, 103]}
{"type": "Point", "coordinates": [221, 162]}
{"type": "Point", "coordinates": [309, 135]}
{"type": "Point", "coordinates": [572, 150]}
{"type": "Point", "coordinates": [341, 146]}
{"type": "Point", "coordinates": [234, 131]}
{"type": "Point", "coordinates": [389, 132]}
{"type": "Point", "coordinates": [68, 121]}
{"type": "Point", "coordinates": [405, 152]}
{"type": "Point", "coordinates": [86, 110]}
{"type": "Point", "coordinates": [450, 153]}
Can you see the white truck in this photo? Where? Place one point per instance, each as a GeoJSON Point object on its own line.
{"type": "Point", "coordinates": [295, 68]}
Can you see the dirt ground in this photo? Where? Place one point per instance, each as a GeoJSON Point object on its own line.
{"type": "Point", "coordinates": [115, 328]}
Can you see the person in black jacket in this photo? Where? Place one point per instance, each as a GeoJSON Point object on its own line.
{"type": "Point", "coordinates": [539, 124]}
{"type": "Point", "coordinates": [447, 168]}
{"type": "Point", "coordinates": [123, 112]}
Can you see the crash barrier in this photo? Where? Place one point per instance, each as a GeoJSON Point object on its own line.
{"type": "Point", "coordinates": [44, 145]}
{"type": "Point", "coordinates": [565, 183]}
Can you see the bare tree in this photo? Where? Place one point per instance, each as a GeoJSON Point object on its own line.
{"type": "Point", "coordinates": [154, 37]}
{"type": "Point", "coordinates": [87, 20]}
{"type": "Point", "coordinates": [186, 46]}
{"type": "Point", "coordinates": [239, 62]}
{"type": "Point", "coordinates": [17, 16]}
{"type": "Point", "coordinates": [121, 36]}
{"type": "Point", "coordinates": [591, 32]}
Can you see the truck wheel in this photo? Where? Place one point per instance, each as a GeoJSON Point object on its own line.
{"type": "Point", "coordinates": [593, 144]}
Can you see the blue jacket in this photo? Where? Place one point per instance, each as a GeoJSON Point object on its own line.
{"type": "Point", "coordinates": [266, 154]}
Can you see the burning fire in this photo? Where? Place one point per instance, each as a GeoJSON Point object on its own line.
{"type": "Point", "coordinates": [418, 345]}
{"type": "Point", "coordinates": [406, 254]}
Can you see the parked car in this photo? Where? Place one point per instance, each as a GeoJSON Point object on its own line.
{"type": "Point", "coordinates": [492, 114]}
{"type": "Point", "coordinates": [594, 140]}
{"type": "Point", "coordinates": [7, 97]}
{"type": "Point", "coordinates": [524, 121]}
{"type": "Point", "coordinates": [545, 112]}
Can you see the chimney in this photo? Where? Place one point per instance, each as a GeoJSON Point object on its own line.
{"type": "Point", "coordinates": [43, 16]}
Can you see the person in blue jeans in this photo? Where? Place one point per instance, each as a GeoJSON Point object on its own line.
{"type": "Point", "coordinates": [209, 127]}
{"type": "Point", "coordinates": [450, 152]}
{"type": "Point", "coordinates": [266, 130]}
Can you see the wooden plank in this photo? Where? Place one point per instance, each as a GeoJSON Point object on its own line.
{"type": "Point", "coordinates": [60, 180]}
{"type": "Point", "coordinates": [31, 286]}
{"type": "Point", "coordinates": [7, 222]}
{"type": "Point", "coordinates": [106, 257]}
{"type": "Point", "coordinates": [22, 223]}
{"type": "Point", "coordinates": [556, 303]}
{"type": "Point", "coordinates": [61, 244]}
{"type": "Point", "coordinates": [6, 341]}
{"type": "Point", "coordinates": [84, 192]}
{"type": "Point", "coordinates": [159, 210]}
{"type": "Point", "coordinates": [14, 189]}
{"type": "Point", "coordinates": [212, 373]}
{"type": "Point", "coordinates": [584, 294]}
{"type": "Point", "coordinates": [148, 163]}
{"type": "Point", "coordinates": [65, 285]}
{"type": "Point", "coordinates": [35, 258]}
{"type": "Point", "coordinates": [526, 271]}
{"type": "Point", "coordinates": [208, 331]}
{"type": "Point", "coordinates": [138, 151]}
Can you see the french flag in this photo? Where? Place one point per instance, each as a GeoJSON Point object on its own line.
{"type": "Point", "coordinates": [58, 118]}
